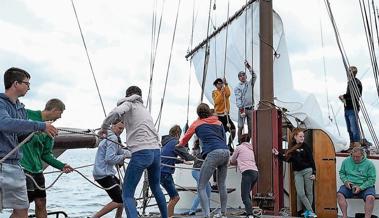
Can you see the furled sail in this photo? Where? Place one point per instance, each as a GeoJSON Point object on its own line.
{"type": "Point", "coordinates": [242, 44]}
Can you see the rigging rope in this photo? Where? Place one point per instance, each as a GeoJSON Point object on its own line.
{"type": "Point", "coordinates": [17, 147]}
{"type": "Point", "coordinates": [354, 89]}
{"type": "Point", "coordinates": [168, 67]}
{"type": "Point", "coordinates": [88, 58]}
{"type": "Point", "coordinates": [324, 69]}
{"type": "Point", "coordinates": [153, 54]}
{"type": "Point", "coordinates": [190, 64]}
{"type": "Point", "coordinates": [206, 55]}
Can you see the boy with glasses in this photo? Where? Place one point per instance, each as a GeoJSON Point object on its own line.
{"type": "Point", "coordinates": [13, 127]}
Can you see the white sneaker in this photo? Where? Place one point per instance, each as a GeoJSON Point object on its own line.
{"type": "Point", "coordinates": [218, 215]}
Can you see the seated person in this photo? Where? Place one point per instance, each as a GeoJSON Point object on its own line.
{"type": "Point", "coordinates": [358, 175]}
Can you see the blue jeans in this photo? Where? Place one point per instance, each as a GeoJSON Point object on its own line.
{"type": "Point", "coordinates": [352, 126]}
{"type": "Point", "coordinates": [167, 183]}
{"type": "Point", "coordinates": [249, 178]}
{"type": "Point", "coordinates": [216, 159]}
{"type": "Point", "coordinates": [196, 199]}
{"type": "Point", "coordinates": [149, 159]}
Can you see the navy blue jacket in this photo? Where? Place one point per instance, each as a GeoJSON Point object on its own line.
{"type": "Point", "coordinates": [168, 149]}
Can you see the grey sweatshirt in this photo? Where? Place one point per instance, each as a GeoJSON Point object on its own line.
{"type": "Point", "coordinates": [139, 126]}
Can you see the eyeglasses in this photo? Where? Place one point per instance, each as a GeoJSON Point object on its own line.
{"type": "Point", "coordinates": [25, 82]}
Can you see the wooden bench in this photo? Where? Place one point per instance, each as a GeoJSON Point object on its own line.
{"type": "Point", "coordinates": [194, 189]}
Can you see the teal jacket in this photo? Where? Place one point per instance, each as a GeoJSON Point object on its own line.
{"type": "Point", "coordinates": [38, 149]}
{"type": "Point", "coordinates": [362, 174]}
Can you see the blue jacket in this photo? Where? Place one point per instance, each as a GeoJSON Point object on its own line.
{"type": "Point", "coordinates": [168, 149]}
{"type": "Point", "coordinates": [14, 123]}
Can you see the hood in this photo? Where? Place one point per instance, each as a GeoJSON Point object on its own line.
{"type": "Point", "coordinates": [132, 99]}
{"type": "Point", "coordinates": [364, 159]}
{"type": "Point", "coordinates": [248, 145]}
{"type": "Point", "coordinates": [211, 120]}
{"type": "Point", "coordinates": [113, 136]}
{"type": "Point", "coordinates": [5, 97]}
{"type": "Point", "coordinates": [167, 138]}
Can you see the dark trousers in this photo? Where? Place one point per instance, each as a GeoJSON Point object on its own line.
{"type": "Point", "coordinates": [249, 178]}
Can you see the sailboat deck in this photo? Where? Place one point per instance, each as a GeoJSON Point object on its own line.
{"type": "Point", "coordinates": [229, 216]}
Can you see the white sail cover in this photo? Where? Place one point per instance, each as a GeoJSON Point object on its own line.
{"type": "Point", "coordinates": [303, 108]}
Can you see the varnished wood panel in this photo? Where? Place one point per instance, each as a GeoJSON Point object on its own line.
{"type": "Point", "coordinates": [325, 185]}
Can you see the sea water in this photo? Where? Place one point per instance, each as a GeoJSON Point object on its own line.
{"type": "Point", "coordinates": [72, 193]}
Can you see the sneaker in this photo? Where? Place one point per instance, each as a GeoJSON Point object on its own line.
{"type": "Point", "coordinates": [306, 213]}
{"type": "Point", "coordinates": [218, 215]}
{"type": "Point", "coordinates": [311, 214]}
{"type": "Point", "coordinates": [214, 187]}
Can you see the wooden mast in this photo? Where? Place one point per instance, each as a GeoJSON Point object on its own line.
{"type": "Point", "coordinates": [267, 120]}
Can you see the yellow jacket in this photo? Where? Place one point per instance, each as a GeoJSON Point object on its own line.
{"type": "Point", "coordinates": [221, 100]}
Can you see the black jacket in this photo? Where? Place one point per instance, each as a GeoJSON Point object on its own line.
{"type": "Point", "coordinates": [301, 159]}
{"type": "Point", "coordinates": [348, 97]}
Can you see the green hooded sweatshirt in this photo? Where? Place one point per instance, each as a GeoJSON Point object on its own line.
{"type": "Point", "coordinates": [362, 174]}
{"type": "Point", "coordinates": [38, 149]}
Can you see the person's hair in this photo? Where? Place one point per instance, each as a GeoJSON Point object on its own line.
{"type": "Point", "coordinates": [55, 103]}
{"type": "Point", "coordinates": [14, 74]}
{"type": "Point", "coordinates": [203, 111]}
{"type": "Point", "coordinates": [293, 144]}
{"type": "Point", "coordinates": [358, 149]}
{"type": "Point", "coordinates": [133, 90]}
{"type": "Point", "coordinates": [241, 73]}
{"type": "Point", "coordinates": [217, 81]}
{"type": "Point", "coordinates": [196, 144]}
{"type": "Point", "coordinates": [245, 138]}
{"type": "Point", "coordinates": [175, 131]}
{"type": "Point", "coordinates": [353, 69]}
{"type": "Point", "coordinates": [117, 121]}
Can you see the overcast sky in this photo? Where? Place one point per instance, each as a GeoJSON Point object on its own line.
{"type": "Point", "coordinates": [42, 37]}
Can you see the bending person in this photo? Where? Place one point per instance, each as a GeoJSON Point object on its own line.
{"type": "Point", "coordinates": [244, 158]}
{"type": "Point", "coordinates": [108, 155]}
{"type": "Point", "coordinates": [169, 153]}
{"type": "Point", "coordinates": [38, 150]}
{"type": "Point", "coordinates": [143, 141]}
{"type": "Point", "coordinates": [215, 152]}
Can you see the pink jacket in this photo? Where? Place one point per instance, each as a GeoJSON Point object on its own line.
{"type": "Point", "coordinates": [243, 156]}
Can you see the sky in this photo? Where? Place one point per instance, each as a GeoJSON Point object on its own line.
{"type": "Point", "coordinates": [42, 37]}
